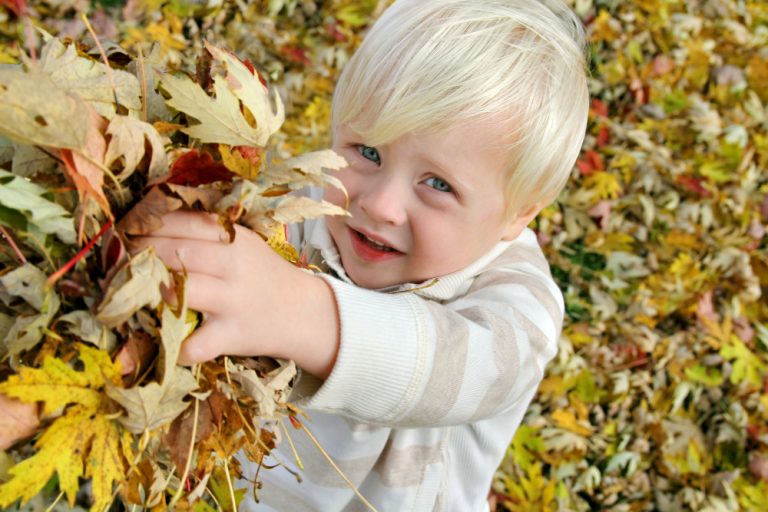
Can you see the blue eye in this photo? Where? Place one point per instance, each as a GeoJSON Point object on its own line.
{"type": "Point", "coordinates": [438, 184]}
{"type": "Point", "coordinates": [369, 153]}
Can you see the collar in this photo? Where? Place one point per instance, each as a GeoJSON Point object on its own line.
{"type": "Point", "coordinates": [440, 288]}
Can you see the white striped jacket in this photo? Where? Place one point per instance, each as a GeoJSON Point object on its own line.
{"type": "Point", "coordinates": [428, 388]}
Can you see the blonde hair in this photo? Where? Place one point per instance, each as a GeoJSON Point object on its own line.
{"type": "Point", "coordinates": [427, 65]}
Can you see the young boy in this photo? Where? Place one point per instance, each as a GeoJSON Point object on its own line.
{"type": "Point", "coordinates": [426, 340]}
{"type": "Point", "coordinates": [423, 344]}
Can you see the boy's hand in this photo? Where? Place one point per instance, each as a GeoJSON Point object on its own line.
{"type": "Point", "coordinates": [255, 303]}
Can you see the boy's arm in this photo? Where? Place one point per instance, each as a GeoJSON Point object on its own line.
{"type": "Point", "coordinates": [389, 359]}
{"type": "Point", "coordinates": [407, 361]}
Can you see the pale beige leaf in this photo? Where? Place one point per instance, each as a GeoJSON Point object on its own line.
{"type": "Point", "coordinates": [220, 118]}
{"type": "Point", "coordinates": [254, 95]}
{"type": "Point", "coordinates": [27, 282]}
{"type": "Point", "coordinates": [88, 78]}
{"type": "Point", "coordinates": [128, 136]}
{"type": "Point", "coordinates": [269, 393]}
{"type": "Point", "coordinates": [29, 160]}
{"type": "Point", "coordinates": [134, 286]}
{"type": "Point", "coordinates": [154, 405]}
{"type": "Point", "coordinates": [305, 170]}
{"type": "Point", "coordinates": [297, 208]}
{"type": "Point", "coordinates": [35, 111]}
{"type": "Point", "coordinates": [83, 324]}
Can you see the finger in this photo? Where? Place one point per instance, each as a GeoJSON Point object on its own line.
{"type": "Point", "coordinates": [205, 343]}
{"type": "Point", "coordinates": [192, 256]}
{"type": "Point", "coordinates": [206, 294]}
{"type": "Point", "coordinates": [195, 225]}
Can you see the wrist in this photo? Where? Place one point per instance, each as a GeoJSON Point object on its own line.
{"type": "Point", "coordinates": [314, 338]}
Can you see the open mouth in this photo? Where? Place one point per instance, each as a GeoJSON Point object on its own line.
{"type": "Point", "coordinates": [371, 250]}
{"type": "Point", "coordinates": [373, 243]}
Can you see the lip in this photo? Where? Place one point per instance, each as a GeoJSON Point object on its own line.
{"type": "Point", "coordinates": [366, 252]}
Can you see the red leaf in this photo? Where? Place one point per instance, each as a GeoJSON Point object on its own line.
{"type": "Point", "coordinates": [590, 162]}
{"type": "Point", "coordinates": [694, 185]}
{"type": "Point", "coordinates": [17, 7]}
{"type": "Point", "coordinates": [194, 168]}
{"type": "Point", "coordinates": [332, 29]}
{"type": "Point", "coordinates": [295, 54]}
{"type": "Point", "coordinates": [599, 108]}
{"type": "Point", "coordinates": [603, 136]}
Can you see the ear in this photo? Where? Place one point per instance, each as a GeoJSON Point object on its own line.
{"type": "Point", "coordinates": [516, 225]}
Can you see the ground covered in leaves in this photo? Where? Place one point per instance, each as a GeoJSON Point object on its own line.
{"type": "Point", "coordinates": [658, 398]}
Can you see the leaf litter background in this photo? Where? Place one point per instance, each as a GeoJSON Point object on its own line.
{"type": "Point", "coordinates": [658, 398]}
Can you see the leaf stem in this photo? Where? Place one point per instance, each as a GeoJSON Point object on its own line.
{"type": "Point", "coordinates": [71, 263]}
{"type": "Point", "coordinates": [104, 58]}
{"type": "Point", "coordinates": [293, 447]}
{"type": "Point", "coordinates": [231, 487]}
{"type": "Point", "coordinates": [8, 238]}
{"type": "Point", "coordinates": [52, 505]}
{"type": "Point", "coordinates": [335, 467]}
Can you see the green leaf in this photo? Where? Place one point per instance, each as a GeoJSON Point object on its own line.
{"type": "Point", "coordinates": [26, 198]}
{"type": "Point", "coordinates": [704, 375]}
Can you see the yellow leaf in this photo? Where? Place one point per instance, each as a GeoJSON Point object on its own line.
{"type": "Point", "coordinates": [84, 430]}
{"type": "Point", "coordinates": [238, 164]}
{"type": "Point", "coordinates": [605, 184]}
{"type": "Point", "coordinates": [281, 246]}
{"type": "Point", "coordinates": [57, 384]}
{"type": "Point", "coordinates": [109, 449]}
{"type": "Point", "coordinates": [60, 449]}
{"type": "Point", "coordinates": [567, 420]}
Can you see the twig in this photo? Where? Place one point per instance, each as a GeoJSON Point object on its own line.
{"type": "Point", "coordinates": [71, 263]}
{"type": "Point", "coordinates": [104, 58]}
{"type": "Point", "coordinates": [8, 238]}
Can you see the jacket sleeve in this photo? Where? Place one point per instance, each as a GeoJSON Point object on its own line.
{"type": "Point", "coordinates": [407, 361]}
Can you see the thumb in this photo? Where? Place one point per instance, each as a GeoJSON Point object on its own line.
{"type": "Point", "coordinates": [206, 343]}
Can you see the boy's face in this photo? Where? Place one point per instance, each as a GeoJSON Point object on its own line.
{"type": "Point", "coordinates": [421, 206]}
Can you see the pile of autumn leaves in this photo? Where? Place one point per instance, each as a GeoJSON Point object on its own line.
{"type": "Point", "coordinates": [93, 150]}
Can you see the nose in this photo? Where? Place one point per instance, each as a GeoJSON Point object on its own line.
{"type": "Point", "coordinates": [384, 201]}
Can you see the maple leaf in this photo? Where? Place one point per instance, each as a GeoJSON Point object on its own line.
{"type": "Point", "coordinates": [269, 392]}
{"type": "Point", "coordinates": [146, 215]}
{"type": "Point", "coordinates": [86, 166]}
{"type": "Point", "coordinates": [247, 168]}
{"type": "Point", "coordinates": [36, 112]}
{"type": "Point", "coordinates": [83, 437]}
{"type": "Point", "coordinates": [156, 404]}
{"type": "Point", "coordinates": [135, 285]}
{"type": "Point", "coordinates": [194, 168]}
{"type": "Point", "coordinates": [279, 243]}
{"type": "Point", "coordinates": [221, 119]}
{"type": "Point", "coordinates": [127, 142]}
{"type": "Point", "coordinates": [305, 170]}
{"type": "Point", "coordinates": [89, 79]}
